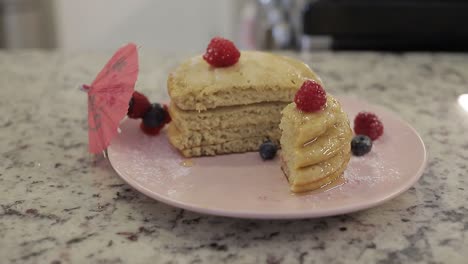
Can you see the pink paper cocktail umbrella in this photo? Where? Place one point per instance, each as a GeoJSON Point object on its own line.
{"type": "Point", "coordinates": [109, 95]}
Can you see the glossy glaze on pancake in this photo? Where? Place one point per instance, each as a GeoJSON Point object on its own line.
{"type": "Point", "coordinates": [315, 146]}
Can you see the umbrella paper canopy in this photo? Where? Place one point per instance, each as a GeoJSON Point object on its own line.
{"type": "Point", "coordinates": [109, 95]}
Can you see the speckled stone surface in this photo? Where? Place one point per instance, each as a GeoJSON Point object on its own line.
{"type": "Point", "coordinates": [60, 205]}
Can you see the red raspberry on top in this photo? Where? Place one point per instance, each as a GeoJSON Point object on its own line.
{"type": "Point", "coordinates": [368, 124]}
{"type": "Point", "coordinates": [138, 105]}
{"type": "Point", "coordinates": [221, 53]}
{"type": "Point", "coordinates": [311, 97]}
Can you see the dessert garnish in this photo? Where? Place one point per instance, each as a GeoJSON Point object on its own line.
{"type": "Point", "coordinates": [221, 53]}
{"type": "Point", "coordinates": [311, 97]}
{"type": "Point", "coordinates": [138, 105]}
{"type": "Point", "coordinates": [154, 116]}
{"type": "Point", "coordinates": [268, 150]}
{"type": "Point", "coordinates": [108, 97]}
{"type": "Point", "coordinates": [368, 124]}
{"type": "Point", "coordinates": [361, 145]}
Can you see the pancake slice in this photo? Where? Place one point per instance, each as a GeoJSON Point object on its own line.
{"type": "Point", "coordinates": [315, 146]}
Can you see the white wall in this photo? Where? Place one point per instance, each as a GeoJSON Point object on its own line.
{"type": "Point", "coordinates": [163, 25]}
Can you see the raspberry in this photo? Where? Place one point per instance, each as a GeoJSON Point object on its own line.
{"type": "Point", "coordinates": [221, 53]}
{"type": "Point", "coordinates": [138, 105]}
{"type": "Point", "coordinates": [311, 97]}
{"type": "Point", "coordinates": [151, 131]}
{"type": "Point", "coordinates": [368, 124]}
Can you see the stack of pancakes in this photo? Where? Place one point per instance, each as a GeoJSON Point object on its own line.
{"type": "Point", "coordinates": [232, 109]}
{"type": "Point", "coordinates": [315, 146]}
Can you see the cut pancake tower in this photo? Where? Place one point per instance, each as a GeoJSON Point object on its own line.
{"type": "Point", "coordinates": [231, 109]}
{"type": "Point", "coordinates": [315, 145]}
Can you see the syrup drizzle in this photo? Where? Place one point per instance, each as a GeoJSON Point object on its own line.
{"type": "Point", "coordinates": [187, 163]}
{"type": "Point", "coordinates": [340, 181]}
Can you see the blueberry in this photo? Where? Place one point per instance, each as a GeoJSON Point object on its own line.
{"type": "Point", "coordinates": [268, 150]}
{"type": "Point", "coordinates": [361, 145]}
{"type": "Point", "coordinates": [154, 117]}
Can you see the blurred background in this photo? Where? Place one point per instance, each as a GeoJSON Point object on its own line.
{"type": "Point", "coordinates": [178, 25]}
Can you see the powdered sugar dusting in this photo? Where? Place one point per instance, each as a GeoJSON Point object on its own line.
{"type": "Point", "coordinates": [370, 170]}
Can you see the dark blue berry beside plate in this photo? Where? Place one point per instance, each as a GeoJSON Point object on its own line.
{"type": "Point", "coordinates": [361, 145]}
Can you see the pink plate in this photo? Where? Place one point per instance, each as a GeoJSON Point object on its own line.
{"type": "Point", "coordinates": [242, 185]}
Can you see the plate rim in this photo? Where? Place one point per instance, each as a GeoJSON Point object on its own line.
{"type": "Point", "coordinates": [248, 214]}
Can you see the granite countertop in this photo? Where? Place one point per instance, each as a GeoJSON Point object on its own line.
{"type": "Point", "coordinates": [60, 205]}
